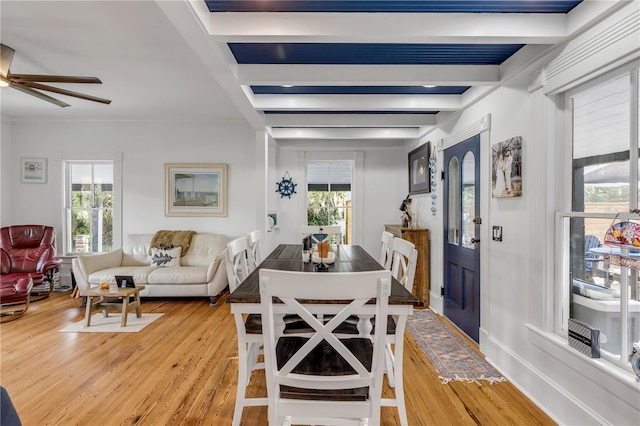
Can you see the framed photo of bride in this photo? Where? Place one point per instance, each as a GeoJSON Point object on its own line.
{"type": "Point", "coordinates": [506, 168]}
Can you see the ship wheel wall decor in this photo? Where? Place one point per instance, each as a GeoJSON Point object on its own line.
{"type": "Point", "coordinates": [286, 187]}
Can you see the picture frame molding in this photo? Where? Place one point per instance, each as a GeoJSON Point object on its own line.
{"type": "Point", "coordinates": [36, 177]}
{"type": "Point", "coordinates": [423, 151]}
{"type": "Point", "coordinates": [171, 203]}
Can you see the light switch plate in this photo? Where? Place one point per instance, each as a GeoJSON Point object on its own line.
{"type": "Point", "coordinates": [497, 233]}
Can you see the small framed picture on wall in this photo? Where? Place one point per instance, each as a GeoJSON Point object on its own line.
{"type": "Point", "coordinates": [33, 170]}
{"type": "Point", "coordinates": [506, 161]}
{"type": "Point", "coordinates": [419, 174]}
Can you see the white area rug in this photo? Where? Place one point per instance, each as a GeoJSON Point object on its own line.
{"type": "Point", "coordinates": [100, 324]}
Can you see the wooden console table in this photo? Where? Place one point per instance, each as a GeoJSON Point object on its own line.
{"type": "Point", "coordinates": [420, 238]}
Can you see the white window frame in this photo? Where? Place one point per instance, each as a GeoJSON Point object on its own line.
{"type": "Point", "coordinates": [345, 207]}
{"type": "Point", "coordinates": [116, 159]}
{"type": "Point", "coordinates": [357, 187]}
{"type": "Point", "coordinates": [562, 305]}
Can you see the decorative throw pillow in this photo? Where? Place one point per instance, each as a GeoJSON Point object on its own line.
{"type": "Point", "coordinates": [165, 257]}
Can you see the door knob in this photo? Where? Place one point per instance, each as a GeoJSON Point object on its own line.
{"type": "Point", "coordinates": [475, 240]}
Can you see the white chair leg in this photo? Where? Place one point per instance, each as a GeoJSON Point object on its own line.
{"type": "Point", "coordinates": [389, 365]}
{"type": "Point", "coordinates": [397, 371]}
{"type": "Point", "coordinates": [243, 380]}
{"type": "Point", "coordinates": [255, 350]}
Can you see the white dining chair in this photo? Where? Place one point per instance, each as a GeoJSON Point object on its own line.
{"type": "Point", "coordinates": [254, 249]}
{"type": "Point", "coordinates": [331, 233]}
{"type": "Point", "coordinates": [405, 260]}
{"type": "Point", "coordinates": [249, 329]}
{"type": "Point", "coordinates": [301, 389]}
{"type": "Point", "coordinates": [386, 252]}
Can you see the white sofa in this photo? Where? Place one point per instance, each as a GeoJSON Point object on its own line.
{"type": "Point", "coordinates": [201, 273]}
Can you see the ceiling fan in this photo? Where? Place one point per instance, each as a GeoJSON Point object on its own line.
{"type": "Point", "coordinates": [28, 83]}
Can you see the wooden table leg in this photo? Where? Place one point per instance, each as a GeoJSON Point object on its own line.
{"type": "Point", "coordinates": [125, 309]}
{"type": "Point", "coordinates": [138, 310]}
{"type": "Point", "coordinates": [87, 315]}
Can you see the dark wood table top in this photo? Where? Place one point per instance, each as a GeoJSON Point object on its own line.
{"type": "Point", "coordinates": [288, 257]}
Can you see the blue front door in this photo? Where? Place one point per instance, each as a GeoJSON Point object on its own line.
{"type": "Point", "coordinates": [462, 235]}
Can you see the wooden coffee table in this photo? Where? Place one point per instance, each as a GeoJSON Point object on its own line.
{"type": "Point", "coordinates": [102, 304]}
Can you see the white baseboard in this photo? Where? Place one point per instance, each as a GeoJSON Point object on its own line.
{"type": "Point", "coordinates": [569, 395]}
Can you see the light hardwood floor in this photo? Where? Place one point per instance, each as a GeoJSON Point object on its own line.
{"type": "Point", "coordinates": [181, 370]}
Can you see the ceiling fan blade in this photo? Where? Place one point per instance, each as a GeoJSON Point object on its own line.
{"type": "Point", "coordinates": [61, 91]}
{"type": "Point", "coordinates": [37, 94]}
{"type": "Point", "coordinates": [6, 56]}
{"type": "Point", "coordinates": [55, 78]}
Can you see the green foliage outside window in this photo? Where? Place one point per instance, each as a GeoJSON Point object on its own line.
{"type": "Point", "coordinates": [606, 194]}
{"type": "Point", "coordinates": [326, 207]}
{"type": "Point", "coordinates": [88, 205]}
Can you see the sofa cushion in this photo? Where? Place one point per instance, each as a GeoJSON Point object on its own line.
{"type": "Point", "coordinates": [204, 248]}
{"type": "Point", "coordinates": [135, 250]}
{"type": "Point", "coordinates": [140, 274]}
{"type": "Point", "coordinates": [178, 275]}
{"type": "Point", "coordinates": [165, 257]}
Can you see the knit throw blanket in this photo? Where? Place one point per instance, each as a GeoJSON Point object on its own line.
{"type": "Point", "coordinates": [166, 238]}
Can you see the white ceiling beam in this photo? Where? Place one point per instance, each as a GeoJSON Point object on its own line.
{"type": "Point", "coordinates": [387, 27]}
{"type": "Point", "coordinates": [363, 75]}
{"type": "Point", "coordinates": [357, 102]}
{"type": "Point", "coordinates": [343, 133]}
{"type": "Point", "coordinates": [349, 120]}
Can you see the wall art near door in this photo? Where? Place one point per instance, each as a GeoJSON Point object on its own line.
{"type": "Point", "coordinates": [506, 166]}
{"type": "Point", "coordinates": [196, 190]}
{"type": "Point", "coordinates": [33, 170]}
{"type": "Point", "coordinates": [419, 175]}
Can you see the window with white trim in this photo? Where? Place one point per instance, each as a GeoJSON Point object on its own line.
{"type": "Point", "coordinates": [89, 200]}
{"type": "Point", "coordinates": [605, 185]}
{"type": "Point", "coordinates": [329, 195]}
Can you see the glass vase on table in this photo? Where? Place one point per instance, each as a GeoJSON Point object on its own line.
{"type": "Point", "coordinates": [323, 253]}
{"type": "Point", "coordinates": [306, 249]}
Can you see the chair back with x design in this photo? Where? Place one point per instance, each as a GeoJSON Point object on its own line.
{"type": "Point", "coordinates": [405, 260]}
{"type": "Point", "coordinates": [325, 377]}
{"type": "Point", "coordinates": [254, 249]}
{"type": "Point", "coordinates": [386, 253]}
{"type": "Point", "coordinates": [332, 234]}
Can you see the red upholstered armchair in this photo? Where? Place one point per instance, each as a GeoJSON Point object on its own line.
{"type": "Point", "coordinates": [29, 251]}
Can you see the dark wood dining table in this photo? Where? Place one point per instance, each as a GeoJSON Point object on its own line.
{"type": "Point", "coordinates": [288, 257]}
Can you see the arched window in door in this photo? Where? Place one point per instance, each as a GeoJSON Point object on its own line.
{"type": "Point", "coordinates": [454, 201]}
{"type": "Point", "coordinates": [468, 200]}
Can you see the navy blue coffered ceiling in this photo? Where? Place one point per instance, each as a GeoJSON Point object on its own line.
{"type": "Point", "coordinates": [303, 68]}
{"type": "Point", "coordinates": [353, 112]}
{"type": "Point", "coordinates": [372, 54]}
{"type": "Point", "coordinates": [396, 6]}
{"type": "Point", "coordinates": [359, 90]}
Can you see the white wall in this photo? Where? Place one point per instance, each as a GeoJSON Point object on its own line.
{"type": "Point", "coordinates": [145, 148]}
{"type": "Point", "coordinates": [6, 170]}
{"type": "Point", "coordinates": [384, 184]}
